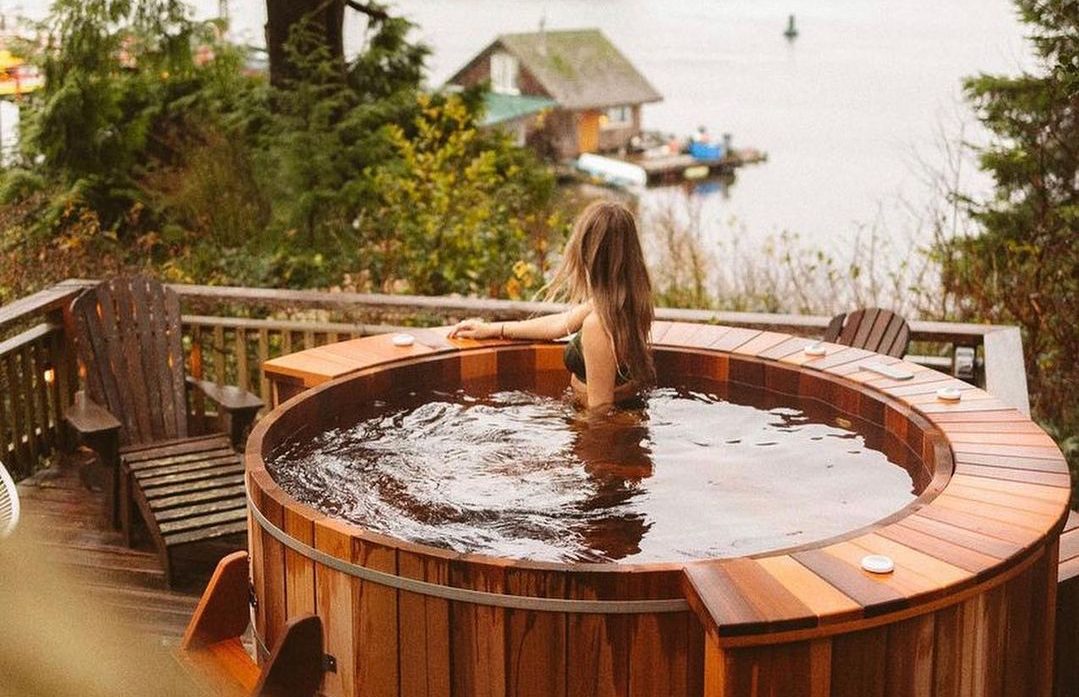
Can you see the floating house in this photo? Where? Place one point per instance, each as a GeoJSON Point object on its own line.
{"type": "Point", "coordinates": [562, 92]}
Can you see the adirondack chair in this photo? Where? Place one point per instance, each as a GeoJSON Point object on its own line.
{"type": "Point", "coordinates": [188, 488]}
{"type": "Point", "coordinates": [872, 329]}
{"type": "Point", "coordinates": [213, 650]}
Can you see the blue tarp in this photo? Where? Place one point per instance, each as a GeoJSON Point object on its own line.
{"type": "Point", "coordinates": [706, 151]}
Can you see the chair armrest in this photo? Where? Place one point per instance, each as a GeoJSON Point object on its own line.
{"type": "Point", "coordinates": [90, 418]}
{"type": "Point", "coordinates": [238, 408]}
{"type": "Point", "coordinates": [228, 397]}
{"type": "Point", "coordinates": [95, 427]}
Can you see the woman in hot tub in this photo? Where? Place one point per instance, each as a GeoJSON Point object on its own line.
{"type": "Point", "coordinates": [604, 276]}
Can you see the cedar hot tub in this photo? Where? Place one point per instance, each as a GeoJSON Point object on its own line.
{"type": "Point", "coordinates": [967, 610]}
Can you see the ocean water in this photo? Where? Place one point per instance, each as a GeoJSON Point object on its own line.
{"type": "Point", "coordinates": [850, 113]}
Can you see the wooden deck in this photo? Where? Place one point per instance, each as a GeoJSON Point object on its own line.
{"type": "Point", "coordinates": [68, 520]}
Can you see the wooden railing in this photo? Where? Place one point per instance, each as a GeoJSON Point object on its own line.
{"type": "Point", "coordinates": [230, 331]}
{"type": "Point", "coordinates": [36, 378]}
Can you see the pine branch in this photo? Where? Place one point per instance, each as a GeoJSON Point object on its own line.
{"type": "Point", "coordinates": [372, 11]}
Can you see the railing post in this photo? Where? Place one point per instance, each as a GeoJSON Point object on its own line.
{"type": "Point", "coordinates": [62, 360]}
{"type": "Point", "coordinates": [198, 410]}
{"type": "Point", "coordinates": [6, 396]}
{"type": "Point", "coordinates": [17, 397]}
{"type": "Point", "coordinates": [218, 348]}
{"type": "Point", "coordinates": [263, 356]}
{"type": "Point", "coordinates": [243, 378]}
{"type": "Point", "coordinates": [1005, 370]}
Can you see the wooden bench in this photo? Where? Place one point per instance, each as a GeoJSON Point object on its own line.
{"type": "Point", "coordinates": [213, 650]}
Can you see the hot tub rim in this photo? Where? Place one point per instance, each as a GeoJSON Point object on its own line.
{"type": "Point", "coordinates": [943, 468]}
{"type": "Point", "coordinates": [1040, 539]}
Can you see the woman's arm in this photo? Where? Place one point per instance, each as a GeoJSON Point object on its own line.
{"type": "Point", "coordinates": [546, 328]}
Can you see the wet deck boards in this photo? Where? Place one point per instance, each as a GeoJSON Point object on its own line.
{"type": "Point", "coordinates": [68, 520]}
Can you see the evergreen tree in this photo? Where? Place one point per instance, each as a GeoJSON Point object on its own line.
{"type": "Point", "coordinates": [1021, 266]}
{"type": "Point", "coordinates": [152, 147]}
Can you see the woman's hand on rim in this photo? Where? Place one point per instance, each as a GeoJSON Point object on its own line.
{"type": "Point", "coordinates": [473, 328]}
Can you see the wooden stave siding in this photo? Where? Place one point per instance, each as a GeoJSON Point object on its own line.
{"type": "Point", "coordinates": [995, 643]}
{"type": "Point", "coordinates": [689, 680]}
{"type": "Point", "coordinates": [460, 648]}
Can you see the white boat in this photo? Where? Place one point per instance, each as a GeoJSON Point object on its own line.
{"type": "Point", "coordinates": [616, 172]}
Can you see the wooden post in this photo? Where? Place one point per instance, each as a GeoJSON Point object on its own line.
{"type": "Point", "coordinates": [1005, 371]}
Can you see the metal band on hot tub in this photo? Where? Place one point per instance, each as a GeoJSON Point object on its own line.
{"type": "Point", "coordinates": [465, 595]}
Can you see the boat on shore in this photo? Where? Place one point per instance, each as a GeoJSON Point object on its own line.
{"type": "Point", "coordinates": [612, 171]}
{"type": "Point", "coordinates": [658, 159]}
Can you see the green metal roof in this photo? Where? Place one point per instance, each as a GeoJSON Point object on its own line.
{"type": "Point", "coordinates": [509, 107]}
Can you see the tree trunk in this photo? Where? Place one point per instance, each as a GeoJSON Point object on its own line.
{"type": "Point", "coordinates": [282, 15]}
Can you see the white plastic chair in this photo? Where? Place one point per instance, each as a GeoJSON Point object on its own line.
{"type": "Point", "coordinates": [9, 504]}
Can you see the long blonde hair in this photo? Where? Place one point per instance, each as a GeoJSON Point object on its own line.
{"type": "Point", "coordinates": [603, 261]}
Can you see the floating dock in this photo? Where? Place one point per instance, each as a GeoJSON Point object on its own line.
{"type": "Point", "coordinates": [675, 168]}
{"type": "Point", "coordinates": [658, 168]}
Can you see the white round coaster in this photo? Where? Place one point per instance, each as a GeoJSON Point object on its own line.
{"type": "Point", "coordinates": [816, 349]}
{"type": "Point", "coordinates": [878, 564]}
{"type": "Point", "coordinates": [403, 340]}
{"type": "Point", "coordinates": [949, 394]}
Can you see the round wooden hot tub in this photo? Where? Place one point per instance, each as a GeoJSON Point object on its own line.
{"type": "Point", "coordinates": [968, 610]}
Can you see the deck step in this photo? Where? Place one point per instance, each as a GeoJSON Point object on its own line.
{"type": "Point", "coordinates": [116, 573]}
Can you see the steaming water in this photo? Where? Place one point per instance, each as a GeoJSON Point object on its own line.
{"type": "Point", "coordinates": [691, 474]}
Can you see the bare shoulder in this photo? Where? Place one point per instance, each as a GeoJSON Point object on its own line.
{"type": "Point", "coordinates": [575, 316]}
{"type": "Point", "coordinates": [594, 332]}
{"type": "Point", "coordinates": [591, 324]}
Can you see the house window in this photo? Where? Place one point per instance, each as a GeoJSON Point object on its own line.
{"type": "Point", "coordinates": [504, 70]}
{"type": "Point", "coordinates": [618, 116]}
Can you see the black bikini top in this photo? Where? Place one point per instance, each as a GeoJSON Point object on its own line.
{"type": "Point", "coordinates": [573, 357]}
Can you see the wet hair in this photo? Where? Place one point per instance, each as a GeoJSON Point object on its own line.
{"type": "Point", "coordinates": [603, 262]}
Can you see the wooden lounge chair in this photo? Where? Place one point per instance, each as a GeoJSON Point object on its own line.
{"type": "Point", "coordinates": [188, 488]}
{"type": "Point", "coordinates": [9, 503]}
{"type": "Point", "coordinates": [213, 648]}
{"type": "Point", "coordinates": [872, 329]}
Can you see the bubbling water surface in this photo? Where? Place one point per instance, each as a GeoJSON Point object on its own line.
{"type": "Point", "coordinates": [690, 473]}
